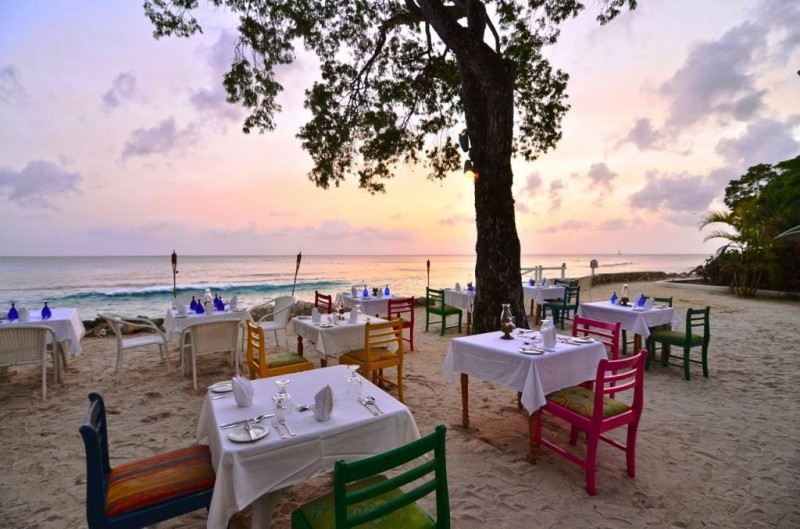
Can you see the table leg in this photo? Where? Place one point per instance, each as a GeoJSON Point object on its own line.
{"type": "Point", "coordinates": [469, 320]}
{"type": "Point", "coordinates": [538, 319]}
{"type": "Point", "coordinates": [263, 508]}
{"type": "Point", "coordinates": [299, 345]}
{"type": "Point", "coordinates": [534, 423]}
{"type": "Point", "coordinates": [465, 400]}
{"type": "Point", "coordinates": [637, 343]}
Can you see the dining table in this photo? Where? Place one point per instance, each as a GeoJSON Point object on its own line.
{"type": "Point", "coordinates": [256, 471]}
{"type": "Point", "coordinates": [637, 320]}
{"type": "Point", "coordinates": [524, 365]}
{"type": "Point", "coordinates": [377, 305]}
{"type": "Point", "coordinates": [537, 294]}
{"type": "Point", "coordinates": [463, 299]}
{"type": "Point", "coordinates": [68, 329]}
{"type": "Point", "coordinates": [175, 323]}
{"type": "Point", "coordinates": [332, 336]}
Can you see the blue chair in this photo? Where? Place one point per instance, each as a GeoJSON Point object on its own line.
{"type": "Point", "coordinates": [143, 492]}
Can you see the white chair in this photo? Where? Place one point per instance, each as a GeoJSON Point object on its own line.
{"type": "Point", "coordinates": [204, 338]}
{"type": "Point", "coordinates": [279, 315]}
{"type": "Point", "coordinates": [149, 335]}
{"type": "Point", "coordinates": [28, 344]}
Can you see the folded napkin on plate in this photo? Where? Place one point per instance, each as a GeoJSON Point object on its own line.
{"type": "Point", "coordinates": [180, 308]}
{"type": "Point", "coordinates": [323, 404]}
{"type": "Point", "coordinates": [209, 307]}
{"type": "Point", "coordinates": [315, 315]}
{"type": "Point", "coordinates": [242, 392]}
{"type": "Point", "coordinates": [354, 315]}
{"type": "Point", "coordinates": [234, 304]}
{"type": "Point", "coordinates": [648, 304]}
{"type": "Point", "coordinates": [458, 287]}
{"type": "Point", "coordinates": [354, 292]}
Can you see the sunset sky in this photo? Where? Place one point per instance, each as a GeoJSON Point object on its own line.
{"type": "Point", "coordinates": [114, 143]}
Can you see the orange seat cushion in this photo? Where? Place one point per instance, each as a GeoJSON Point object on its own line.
{"type": "Point", "coordinates": [157, 479]}
{"type": "Point", "coordinates": [378, 355]}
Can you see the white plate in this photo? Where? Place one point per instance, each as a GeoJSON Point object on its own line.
{"type": "Point", "coordinates": [303, 317]}
{"type": "Point", "coordinates": [181, 316]}
{"type": "Point", "coordinates": [221, 387]}
{"type": "Point", "coordinates": [530, 351]}
{"type": "Point", "coordinates": [238, 310]}
{"type": "Point", "coordinates": [240, 435]}
{"type": "Point", "coordinates": [581, 339]}
{"type": "Point", "coordinates": [638, 309]}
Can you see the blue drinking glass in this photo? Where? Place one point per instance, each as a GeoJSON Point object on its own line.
{"type": "Point", "coordinates": [365, 292]}
{"type": "Point", "coordinates": [193, 304]}
{"type": "Point", "coordinates": [386, 291]}
{"type": "Point", "coordinates": [13, 314]}
{"type": "Point", "coordinates": [46, 313]}
{"type": "Point", "coordinates": [614, 298]}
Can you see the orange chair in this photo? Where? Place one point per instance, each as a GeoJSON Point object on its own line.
{"type": "Point", "coordinates": [594, 412]}
{"type": "Point", "coordinates": [263, 365]}
{"type": "Point", "coordinates": [608, 333]}
{"type": "Point", "coordinates": [323, 302]}
{"type": "Point", "coordinates": [399, 307]}
{"type": "Point", "coordinates": [383, 348]}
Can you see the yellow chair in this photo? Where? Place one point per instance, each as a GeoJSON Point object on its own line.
{"type": "Point", "coordinates": [379, 353]}
{"type": "Point", "coordinates": [262, 365]}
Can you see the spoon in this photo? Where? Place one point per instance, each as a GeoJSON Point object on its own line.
{"type": "Point", "coordinates": [371, 400]}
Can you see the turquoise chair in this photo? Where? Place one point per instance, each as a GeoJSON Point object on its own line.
{"type": "Point", "coordinates": [362, 494]}
{"type": "Point", "coordinates": [695, 319]}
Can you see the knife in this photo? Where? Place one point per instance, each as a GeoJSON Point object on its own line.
{"type": "Point", "coordinates": [366, 405]}
{"type": "Point", "coordinates": [252, 419]}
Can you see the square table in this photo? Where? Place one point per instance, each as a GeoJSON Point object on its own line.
{"type": "Point", "coordinates": [633, 319]}
{"type": "Point", "coordinates": [490, 358]}
{"type": "Point", "coordinates": [175, 323]}
{"type": "Point", "coordinates": [461, 299]}
{"type": "Point", "coordinates": [377, 305]}
{"type": "Point", "coordinates": [537, 294]}
{"type": "Point", "coordinates": [256, 472]}
{"type": "Point", "coordinates": [330, 341]}
{"type": "Point", "coordinates": [68, 329]}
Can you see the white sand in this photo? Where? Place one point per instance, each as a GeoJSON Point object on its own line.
{"type": "Point", "coordinates": [716, 452]}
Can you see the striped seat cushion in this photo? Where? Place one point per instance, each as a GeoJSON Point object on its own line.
{"type": "Point", "coordinates": [157, 479]}
{"type": "Point", "coordinates": [581, 401]}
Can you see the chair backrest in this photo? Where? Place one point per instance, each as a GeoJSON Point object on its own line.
{"type": "Point", "coordinates": [572, 296]}
{"type": "Point", "coordinates": [95, 440]}
{"type": "Point", "coordinates": [24, 344]}
{"type": "Point", "coordinates": [620, 376]}
{"type": "Point", "coordinates": [665, 300]}
{"type": "Point", "coordinates": [281, 313]}
{"type": "Point", "coordinates": [400, 306]}
{"type": "Point", "coordinates": [115, 322]}
{"type": "Point", "coordinates": [434, 298]}
{"type": "Point", "coordinates": [256, 349]}
{"type": "Point", "coordinates": [608, 333]}
{"type": "Point", "coordinates": [212, 336]}
{"type": "Point", "coordinates": [698, 319]}
{"type": "Point", "coordinates": [323, 302]}
{"type": "Point", "coordinates": [383, 335]}
{"type": "Point", "coordinates": [430, 475]}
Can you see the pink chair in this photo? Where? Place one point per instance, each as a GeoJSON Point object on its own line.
{"type": "Point", "coordinates": [403, 308]}
{"type": "Point", "coordinates": [608, 333]}
{"type": "Point", "coordinates": [594, 412]}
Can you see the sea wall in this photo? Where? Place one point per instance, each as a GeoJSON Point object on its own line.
{"type": "Point", "coordinates": [630, 277]}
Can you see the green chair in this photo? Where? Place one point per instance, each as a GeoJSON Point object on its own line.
{"type": "Point", "coordinates": [362, 494]}
{"type": "Point", "coordinates": [695, 319]}
{"type": "Point", "coordinates": [625, 342]}
{"type": "Point", "coordinates": [561, 309]}
{"type": "Point", "coordinates": [434, 304]}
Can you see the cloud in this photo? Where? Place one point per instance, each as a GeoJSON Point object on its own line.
{"type": "Point", "coordinates": [123, 88]}
{"type": "Point", "coordinates": [11, 89]}
{"type": "Point", "coordinates": [533, 183]}
{"type": "Point", "coordinates": [38, 184]}
{"type": "Point", "coordinates": [566, 226]}
{"type": "Point", "coordinates": [460, 218]}
{"type": "Point", "coordinates": [213, 101]}
{"type": "Point", "coordinates": [613, 225]}
{"type": "Point", "coordinates": [555, 194]}
{"type": "Point", "coordinates": [520, 207]}
{"type": "Point", "coordinates": [764, 141]}
{"type": "Point", "coordinates": [643, 135]}
{"type": "Point", "coordinates": [162, 138]}
{"type": "Point", "coordinates": [674, 192]}
{"type": "Point", "coordinates": [601, 176]}
{"type": "Point", "coordinates": [783, 17]}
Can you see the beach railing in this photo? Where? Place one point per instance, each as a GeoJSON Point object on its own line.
{"type": "Point", "coordinates": [537, 271]}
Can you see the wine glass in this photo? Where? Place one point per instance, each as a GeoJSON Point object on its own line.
{"type": "Point", "coordinates": [283, 401]}
{"type": "Point", "coordinates": [354, 386]}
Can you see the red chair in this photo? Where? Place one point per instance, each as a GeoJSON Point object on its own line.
{"type": "Point", "coordinates": [594, 412]}
{"type": "Point", "coordinates": [397, 309]}
{"type": "Point", "coordinates": [608, 333]}
{"type": "Point", "coordinates": [323, 302]}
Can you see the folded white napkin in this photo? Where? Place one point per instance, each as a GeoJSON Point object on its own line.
{"type": "Point", "coordinates": [24, 314]}
{"type": "Point", "coordinates": [234, 302]}
{"type": "Point", "coordinates": [458, 287]}
{"type": "Point", "coordinates": [548, 331]}
{"type": "Point", "coordinates": [380, 293]}
{"type": "Point", "coordinates": [354, 292]}
{"type": "Point", "coordinates": [180, 308]}
{"type": "Point", "coordinates": [323, 404]}
{"type": "Point", "coordinates": [242, 392]}
{"type": "Point", "coordinates": [315, 316]}
{"type": "Point", "coordinates": [648, 304]}
{"type": "Point", "coordinates": [354, 315]}
{"type": "Point", "coordinates": [209, 307]}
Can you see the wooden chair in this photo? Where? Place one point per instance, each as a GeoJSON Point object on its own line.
{"type": "Point", "coordinates": [561, 309]}
{"type": "Point", "coordinates": [383, 348]}
{"type": "Point", "coordinates": [403, 306]}
{"type": "Point", "coordinates": [363, 495]}
{"type": "Point", "coordinates": [434, 304]}
{"type": "Point", "coordinates": [625, 342]}
{"type": "Point", "coordinates": [205, 338]}
{"type": "Point", "coordinates": [695, 319]}
{"type": "Point", "coordinates": [143, 492]}
{"type": "Point", "coordinates": [594, 412]}
{"type": "Point", "coordinates": [608, 333]}
{"type": "Point", "coordinates": [263, 365]}
{"type": "Point", "coordinates": [22, 344]}
{"type": "Point", "coordinates": [323, 302]}
{"type": "Point", "coordinates": [148, 334]}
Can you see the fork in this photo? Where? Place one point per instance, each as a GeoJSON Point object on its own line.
{"type": "Point", "coordinates": [276, 424]}
{"type": "Point", "coordinates": [283, 423]}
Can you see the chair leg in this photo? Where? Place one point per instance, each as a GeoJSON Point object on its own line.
{"type": "Point", "coordinates": [666, 349]}
{"type": "Point", "coordinates": [592, 439]}
{"type": "Point", "coordinates": [444, 324]}
{"type": "Point", "coordinates": [705, 361]}
{"type": "Point", "coordinates": [400, 382]}
{"type": "Point", "coordinates": [574, 431]}
{"type": "Point", "coordinates": [194, 371]}
{"type": "Point", "coordinates": [630, 449]}
{"type": "Point", "coordinates": [650, 345]}
{"type": "Point", "coordinates": [165, 355]}
{"type": "Point", "coordinates": [686, 374]}
{"type": "Point", "coordinates": [459, 323]}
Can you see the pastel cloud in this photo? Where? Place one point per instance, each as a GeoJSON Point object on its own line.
{"type": "Point", "coordinates": [600, 176]}
{"type": "Point", "coordinates": [674, 192]}
{"type": "Point", "coordinates": [11, 88]}
{"type": "Point", "coordinates": [764, 141]}
{"type": "Point", "coordinates": [123, 88]}
{"type": "Point", "coordinates": [38, 184]}
{"type": "Point", "coordinates": [159, 139]}
{"type": "Point", "coordinates": [567, 227]}
{"type": "Point", "coordinates": [556, 186]}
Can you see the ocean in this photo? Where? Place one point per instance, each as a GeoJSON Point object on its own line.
{"type": "Point", "coordinates": [143, 285]}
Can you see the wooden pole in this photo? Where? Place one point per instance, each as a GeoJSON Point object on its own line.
{"type": "Point", "coordinates": [174, 274]}
{"type": "Point", "coordinates": [297, 269]}
{"type": "Point", "coordinates": [429, 273]}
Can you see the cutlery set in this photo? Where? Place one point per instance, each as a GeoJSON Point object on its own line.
{"type": "Point", "coordinates": [369, 403]}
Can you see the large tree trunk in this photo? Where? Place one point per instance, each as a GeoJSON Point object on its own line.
{"type": "Point", "coordinates": [489, 109]}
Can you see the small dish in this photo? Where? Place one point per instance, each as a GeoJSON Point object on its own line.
{"type": "Point", "coordinates": [531, 351]}
{"type": "Point", "coordinates": [581, 339]}
{"type": "Point", "coordinates": [241, 435]}
{"type": "Point", "coordinates": [306, 317]}
{"type": "Point", "coordinates": [221, 387]}
{"type": "Point", "coordinates": [181, 316]}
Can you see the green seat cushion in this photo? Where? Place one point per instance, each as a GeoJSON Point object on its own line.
{"type": "Point", "coordinates": [581, 401]}
{"type": "Point", "coordinates": [379, 354]}
{"type": "Point", "coordinates": [319, 513]}
{"type": "Point", "coordinates": [446, 310]}
{"type": "Point", "coordinates": [284, 359]}
{"type": "Point", "coordinates": [157, 479]}
{"type": "Point", "coordinates": [675, 337]}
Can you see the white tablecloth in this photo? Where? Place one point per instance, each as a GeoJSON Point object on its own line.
{"type": "Point", "coordinates": [66, 324]}
{"type": "Point", "coordinates": [460, 299]}
{"type": "Point", "coordinates": [174, 324]}
{"type": "Point", "coordinates": [332, 342]}
{"type": "Point", "coordinates": [488, 357]}
{"type": "Point", "coordinates": [539, 294]}
{"type": "Point", "coordinates": [246, 471]}
{"type": "Point", "coordinates": [371, 305]}
{"type": "Point", "coordinates": [635, 321]}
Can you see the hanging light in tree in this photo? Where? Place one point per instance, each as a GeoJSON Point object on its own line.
{"type": "Point", "coordinates": [463, 140]}
{"type": "Point", "coordinates": [469, 170]}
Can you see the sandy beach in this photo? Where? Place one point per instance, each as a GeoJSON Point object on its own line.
{"type": "Point", "coordinates": [717, 452]}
